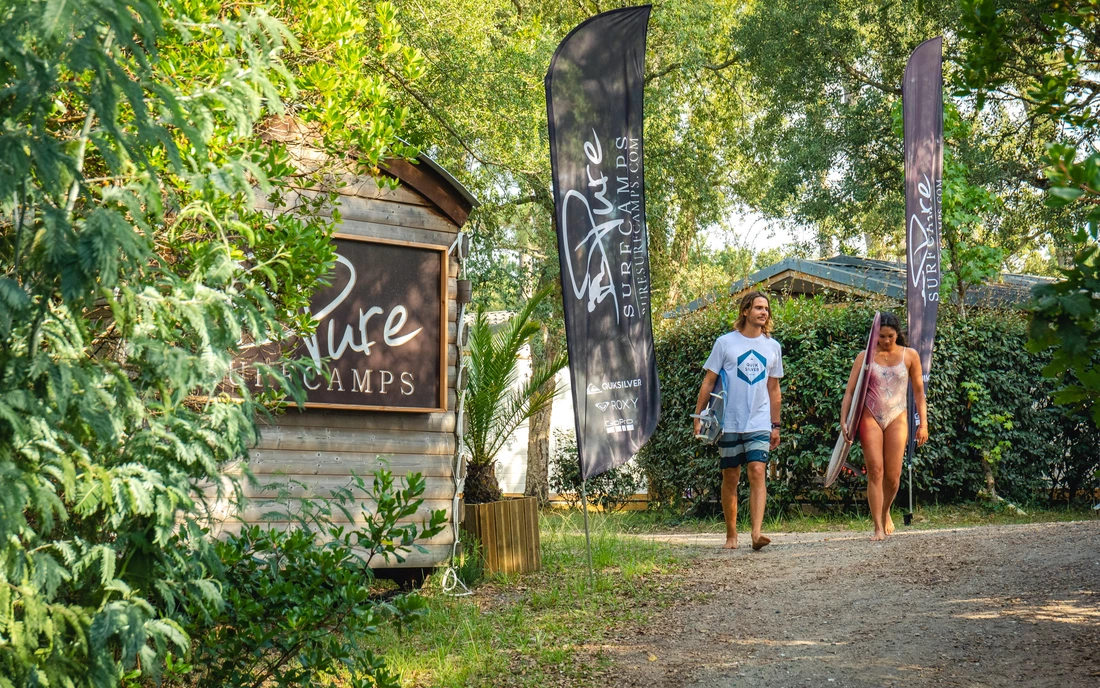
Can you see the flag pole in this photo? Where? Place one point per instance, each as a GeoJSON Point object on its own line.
{"type": "Point", "coordinates": [911, 446]}
{"type": "Point", "coordinates": [595, 87]}
{"type": "Point", "coordinates": [587, 537]}
{"type": "Point", "coordinates": [914, 423]}
{"type": "Point", "coordinates": [910, 484]}
{"type": "Point", "coordinates": [909, 516]}
{"type": "Point", "coordinates": [922, 112]}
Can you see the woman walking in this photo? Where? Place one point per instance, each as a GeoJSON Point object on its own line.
{"type": "Point", "coordinates": [883, 428]}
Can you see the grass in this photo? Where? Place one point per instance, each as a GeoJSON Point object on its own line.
{"type": "Point", "coordinates": [545, 628]}
{"type": "Point", "coordinates": [799, 521]}
{"type": "Point", "coordinates": [931, 517]}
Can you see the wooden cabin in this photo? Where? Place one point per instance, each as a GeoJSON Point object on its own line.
{"type": "Point", "coordinates": [390, 324]}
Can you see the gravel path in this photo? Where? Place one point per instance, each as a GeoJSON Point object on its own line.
{"type": "Point", "coordinates": [986, 606]}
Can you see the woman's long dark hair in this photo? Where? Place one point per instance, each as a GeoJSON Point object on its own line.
{"type": "Point", "coordinates": [891, 320]}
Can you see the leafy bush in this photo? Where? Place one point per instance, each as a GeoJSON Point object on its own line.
{"type": "Point", "coordinates": [133, 263]}
{"type": "Point", "coordinates": [981, 371]}
{"type": "Point", "coordinates": [298, 605]}
{"type": "Point", "coordinates": [124, 221]}
{"type": "Point", "coordinates": [610, 491]}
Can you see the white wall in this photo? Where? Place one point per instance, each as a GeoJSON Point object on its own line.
{"type": "Point", "coordinates": [512, 459]}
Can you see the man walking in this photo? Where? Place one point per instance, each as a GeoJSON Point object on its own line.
{"type": "Point", "coordinates": [753, 363]}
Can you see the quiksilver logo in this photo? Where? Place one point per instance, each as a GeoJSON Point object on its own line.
{"type": "Point", "coordinates": [613, 385]}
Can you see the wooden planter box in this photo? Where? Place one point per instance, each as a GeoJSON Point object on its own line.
{"type": "Point", "coordinates": [508, 531]}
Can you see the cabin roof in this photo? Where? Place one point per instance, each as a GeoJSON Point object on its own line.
{"type": "Point", "coordinates": [860, 277]}
{"type": "Point", "coordinates": [424, 175]}
{"type": "Point", "coordinates": [436, 184]}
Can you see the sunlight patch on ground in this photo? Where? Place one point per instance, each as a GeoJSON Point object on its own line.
{"type": "Point", "coordinates": [1073, 611]}
{"type": "Point", "coordinates": [777, 643]}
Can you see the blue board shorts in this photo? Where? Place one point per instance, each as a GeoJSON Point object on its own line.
{"type": "Point", "coordinates": [737, 448]}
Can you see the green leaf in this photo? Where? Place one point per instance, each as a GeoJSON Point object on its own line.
{"type": "Point", "coordinates": [1061, 195]}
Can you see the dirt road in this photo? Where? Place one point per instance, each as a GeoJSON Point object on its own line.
{"type": "Point", "coordinates": [987, 606]}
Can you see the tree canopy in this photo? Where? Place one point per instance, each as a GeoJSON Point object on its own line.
{"type": "Point", "coordinates": [1040, 59]}
{"type": "Point", "coordinates": [481, 111]}
{"type": "Point", "coordinates": [786, 111]}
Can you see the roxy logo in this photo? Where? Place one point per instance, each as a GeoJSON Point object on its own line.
{"type": "Point", "coordinates": [618, 404]}
{"type": "Point", "coordinates": [618, 425]}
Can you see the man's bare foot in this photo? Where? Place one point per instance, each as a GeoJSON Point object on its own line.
{"type": "Point", "coordinates": [878, 536]}
{"type": "Point", "coordinates": [759, 543]}
{"type": "Point", "coordinates": [889, 525]}
{"type": "Point", "coordinates": [731, 543]}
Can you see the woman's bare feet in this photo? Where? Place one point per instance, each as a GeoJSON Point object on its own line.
{"type": "Point", "coordinates": [889, 525]}
{"type": "Point", "coordinates": [878, 536]}
{"type": "Point", "coordinates": [731, 543]}
{"type": "Point", "coordinates": [760, 542]}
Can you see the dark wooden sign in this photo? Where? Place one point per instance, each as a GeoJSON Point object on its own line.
{"type": "Point", "coordinates": [381, 329]}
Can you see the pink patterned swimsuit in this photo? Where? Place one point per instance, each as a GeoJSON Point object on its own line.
{"type": "Point", "coordinates": [886, 392]}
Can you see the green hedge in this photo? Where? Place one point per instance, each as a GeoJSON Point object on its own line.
{"type": "Point", "coordinates": [987, 394]}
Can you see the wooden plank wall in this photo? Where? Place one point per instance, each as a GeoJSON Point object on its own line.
{"type": "Point", "coordinates": [321, 447]}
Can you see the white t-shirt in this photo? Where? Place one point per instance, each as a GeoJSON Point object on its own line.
{"type": "Point", "coordinates": [748, 364]}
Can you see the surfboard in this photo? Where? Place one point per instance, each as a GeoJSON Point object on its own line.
{"type": "Point", "coordinates": [712, 416]}
{"type": "Point", "coordinates": [855, 411]}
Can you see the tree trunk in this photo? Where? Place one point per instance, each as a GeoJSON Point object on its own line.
{"type": "Point", "coordinates": [538, 435]}
{"type": "Point", "coordinates": [1064, 254]}
{"type": "Point", "coordinates": [538, 458]}
{"type": "Point", "coordinates": [680, 252]}
{"type": "Point", "coordinates": [481, 484]}
{"type": "Point", "coordinates": [990, 484]}
{"type": "Point", "coordinates": [876, 249]}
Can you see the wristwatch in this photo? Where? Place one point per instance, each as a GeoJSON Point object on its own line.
{"type": "Point", "coordinates": [776, 426]}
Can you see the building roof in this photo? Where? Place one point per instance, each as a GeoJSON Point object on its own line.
{"type": "Point", "coordinates": [860, 277]}
{"type": "Point", "coordinates": [434, 183]}
{"type": "Point", "coordinates": [424, 175]}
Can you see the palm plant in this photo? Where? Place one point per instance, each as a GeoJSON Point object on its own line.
{"type": "Point", "coordinates": [497, 402]}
